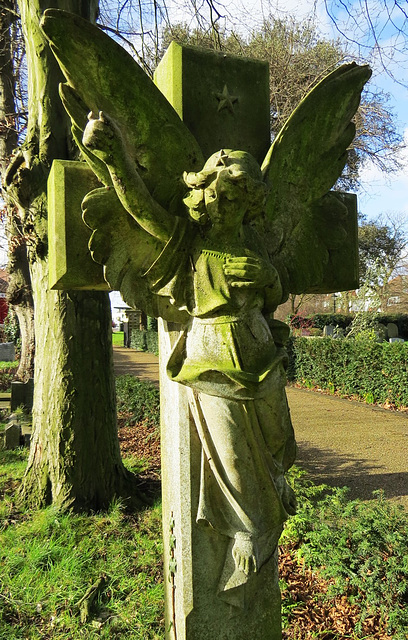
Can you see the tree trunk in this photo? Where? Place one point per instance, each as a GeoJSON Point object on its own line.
{"type": "Point", "coordinates": [74, 457]}
{"type": "Point", "coordinates": [19, 294]}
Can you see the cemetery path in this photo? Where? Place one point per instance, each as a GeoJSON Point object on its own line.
{"type": "Point", "coordinates": [138, 363]}
{"type": "Point", "coordinates": [341, 442]}
{"type": "Point", "coordinates": [344, 442]}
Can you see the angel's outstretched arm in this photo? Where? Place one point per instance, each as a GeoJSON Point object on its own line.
{"type": "Point", "coordinates": [104, 138]}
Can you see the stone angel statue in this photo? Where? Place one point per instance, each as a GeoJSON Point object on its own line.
{"type": "Point", "coordinates": [215, 245]}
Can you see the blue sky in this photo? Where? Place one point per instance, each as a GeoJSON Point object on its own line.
{"type": "Point", "coordinates": [381, 194]}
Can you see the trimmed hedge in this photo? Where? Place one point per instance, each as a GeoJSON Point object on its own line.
{"type": "Point", "coordinates": [145, 341]}
{"type": "Point", "coordinates": [374, 372]}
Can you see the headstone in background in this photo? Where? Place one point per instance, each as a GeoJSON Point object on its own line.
{"type": "Point", "coordinates": [12, 435]}
{"type": "Point", "coordinates": [392, 330]}
{"type": "Point", "coordinates": [7, 352]}
{"type": "Point", "coordinates": [22, 395]}
{"type": "Point", "coordinates": [328, 330]}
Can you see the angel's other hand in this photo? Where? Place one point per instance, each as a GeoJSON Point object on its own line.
{"type": "Point", "coordinates": [251, 272]}
{"type": "Point", "coordinates": [102, 136]}
{"type": "Point", "coordinates": [244, 553]}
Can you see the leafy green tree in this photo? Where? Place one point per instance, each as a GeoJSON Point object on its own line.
{"type": "Point", "coordinates": [381, 242]}
{"type": "Point", "coordinates": [382, 247]}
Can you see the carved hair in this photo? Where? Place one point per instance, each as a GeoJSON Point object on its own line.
{"type": "Point", "coordinates": [240, 167]}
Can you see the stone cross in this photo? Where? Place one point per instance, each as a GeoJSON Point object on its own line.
{"type": "Point", "coordinates": [225, 103]}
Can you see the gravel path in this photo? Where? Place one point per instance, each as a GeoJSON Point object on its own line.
{"type": "Point", "coordinates": [341, 442]}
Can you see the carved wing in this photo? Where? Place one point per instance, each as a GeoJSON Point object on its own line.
{"type": "Point", "coordinates": [311, 231]}
{"type": "Point", "coordinates": [106, 78]}
{"type": "Point", "coordinates": [102, 76]}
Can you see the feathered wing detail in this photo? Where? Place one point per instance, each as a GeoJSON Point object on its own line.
{"type": "Point", "coordinates": [126, 252]}
{"type": "Point", "coordinates": [305, 224]}
{"type": "Point", "coordinates": [102, 76]}
{"type": "Point", "coordinates": [106, 78]}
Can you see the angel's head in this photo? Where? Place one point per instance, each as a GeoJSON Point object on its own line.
{"type": "Point", "coordinates": [228, 190]}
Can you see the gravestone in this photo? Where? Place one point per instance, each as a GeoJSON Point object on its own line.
{"type": "Point", "coordinates": [220, 563]}
{"type": "Point", "coordinates": [7, 352]}
{"type": "Point", "coordinates": [328, 330]}
{"type": "Point", "coordinates": [392, 330]}
{"type": "Point", "coordinates": [193, 81]}
{"type": "Point", "coordinates": [12, 435]}
{"type": "Point", "coordinates": [22, 395]}
{"type": "Point", "coordinates": [26, 433]}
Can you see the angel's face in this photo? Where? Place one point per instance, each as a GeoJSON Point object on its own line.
{"type": "Point", "coordinates": [225, 200]}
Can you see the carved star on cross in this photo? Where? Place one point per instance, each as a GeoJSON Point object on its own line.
{"type": "Point", "coordinates": [226, 100]}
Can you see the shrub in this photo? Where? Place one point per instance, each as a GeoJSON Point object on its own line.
{"type": "Point", "coordinates": [138, 398]}
{"type": "Point", "coordinates": [145, 341]}
{"type": "Point", "coordinates": [362, 367]}
{"type": "Point", "coordinates": [152, 342]}
{"type": "Point", "coordinates": [7, 374]}
{"type": "Point", "coordinates": [138, 340]}
{"type": "Point", "coordinates": [11, 327]}
{"type": "Point", "coordinates": [361, 545]}
{"type": "Point", "coordinates": [320, 320]}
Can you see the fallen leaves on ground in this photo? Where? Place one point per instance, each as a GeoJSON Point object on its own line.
{"type": "Point", "coordinates": [312, 614]}
{"type": "Point", "coordinates": [142, 441]}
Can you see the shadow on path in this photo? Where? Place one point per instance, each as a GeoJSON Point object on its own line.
{"type": "Point", "coordinates": [341, 442]}
{"type": "Point", "coordinates": [137, 363]}
{"type": "Point", "coordinates": [362, 476]}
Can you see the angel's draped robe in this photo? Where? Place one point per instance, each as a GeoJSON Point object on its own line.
{"type": "Point", "coordinates": [234, 369]}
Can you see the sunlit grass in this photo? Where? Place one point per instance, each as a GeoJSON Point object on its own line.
{"type": "Point", "coordinates": [117, 338]}
{"type": "Point", "coordinates": [50, 559]}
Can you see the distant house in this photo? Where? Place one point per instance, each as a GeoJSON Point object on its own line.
{"type": "Point", "coordinates": [397, 291]}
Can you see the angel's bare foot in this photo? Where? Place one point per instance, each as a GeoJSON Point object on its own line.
{"type": "Point", "coordinates": [244, 552]}
{"type": "Point", "coordinates": [102, 136]}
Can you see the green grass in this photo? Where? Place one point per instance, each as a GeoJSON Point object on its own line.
{"type": "Point", "coordinates": [9, 365]}
{"type": "Point", "coordinates": [117, 338]}
{"type": "Point", "coordinates": [50, 559]}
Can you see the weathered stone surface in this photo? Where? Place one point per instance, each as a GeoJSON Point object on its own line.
{"type": "Point", "coordinates": [392, 330]}
{"type": "Point", "coordinates": [70, 263]}
{"type": "Point", "coordinates": [7, 352]}
{"type": "Point", "coordinates": [22, 394]}
{"type": "Point", "coordinates": [26, 432]}
{"type": "Point", "coordinates": [224, 100]}
{"type": "Point", "coordinates": [194, 554]}
{"type": "Point", "coordinates": [328, 330]}
{"type": "Point", "coordinates": [12, 435]}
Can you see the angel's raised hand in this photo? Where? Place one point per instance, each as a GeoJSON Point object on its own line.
{"type": "Point", "coordinates": [103, 137]}
{"type": "Point", "coordinates": [252, 272]}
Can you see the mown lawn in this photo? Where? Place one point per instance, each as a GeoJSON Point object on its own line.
{"type": "Point", "coordinates": [117, 338]}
